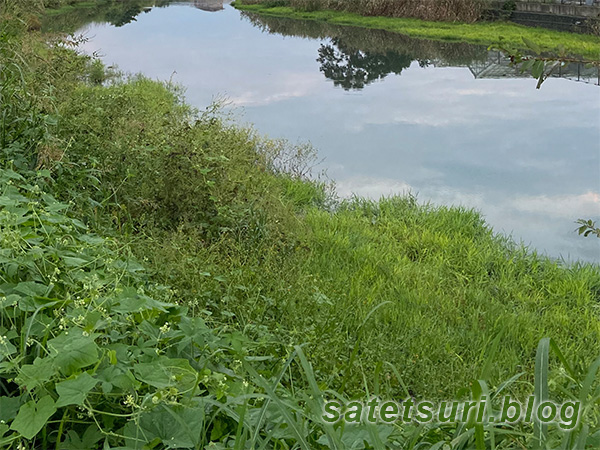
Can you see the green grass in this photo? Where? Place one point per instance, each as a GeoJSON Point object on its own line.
{"type": "Point", "coordinates": [448, 286]}
{"type": "Point", "coordinates": [491, 33]}
{"type": "Point", "coordinates": [269, 254]}
{"type": "Point", "coordinates": [285, 268]}
{"type": "Point", "coordinates": [204, 279]}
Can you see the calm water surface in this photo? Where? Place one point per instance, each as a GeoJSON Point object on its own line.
{"type": "Point", "coordinates": [388, 114]}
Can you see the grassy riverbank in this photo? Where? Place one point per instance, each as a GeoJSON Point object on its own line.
{"type": "Point", "coordinates": [160, 266]}
{"type": "Point", "coordinates": [488, 33]}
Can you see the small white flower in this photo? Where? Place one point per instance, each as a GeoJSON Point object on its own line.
{"type": "Point", "coordinates": [129, 401]}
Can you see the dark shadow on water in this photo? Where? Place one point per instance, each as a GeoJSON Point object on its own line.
{"type": "Point", "coordinates": [116, 12]}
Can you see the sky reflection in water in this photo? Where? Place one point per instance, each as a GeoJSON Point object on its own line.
{"type": "Point", "coordinates": [528, 159]}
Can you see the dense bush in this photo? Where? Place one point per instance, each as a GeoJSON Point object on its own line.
{"type": "Point", "coordinates": [163, 166]}
{"type": "Point", "coordinates": [93, 355]}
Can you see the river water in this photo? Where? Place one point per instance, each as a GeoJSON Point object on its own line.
{"type": "Point", "coordinates": [450, 122]}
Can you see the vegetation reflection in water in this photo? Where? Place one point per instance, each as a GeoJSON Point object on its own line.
{"type": "Point", "coordinates": [71, 18]}
{"type": "Point", "coordinates": [354, 57]}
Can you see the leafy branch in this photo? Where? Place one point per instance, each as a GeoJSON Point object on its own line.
{"type": "Point", "coordinates": [588, 227]}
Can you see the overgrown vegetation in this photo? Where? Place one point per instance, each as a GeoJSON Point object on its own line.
{"type": "Point", "coordinates": [447, 10]}
{"type": "Point", "coordinates": [475, 33]}
{"type": "Point", "coordinates": [170, 280]}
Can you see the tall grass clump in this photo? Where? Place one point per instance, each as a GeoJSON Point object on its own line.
{"type": "Point", "coordinates": [23, 123]}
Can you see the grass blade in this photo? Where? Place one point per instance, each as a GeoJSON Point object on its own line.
{"type": "Point", "coordinates": [540, 430]}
